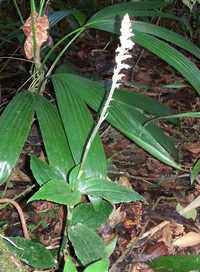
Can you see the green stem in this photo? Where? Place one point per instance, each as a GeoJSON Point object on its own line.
{"type": "Point", "coordinates": [42, 3]}
{"type": "Point", "coordinates": [62, 52]}
{"type": "Point", "coordinates": [102, 118]}
{"type": "Point", "coordinates": [64, 248]}
{"type": "Point", "coordinates": [33, 28]}
{"type": "Point", "coordinates": [59, 42]}
{"type": "Point", "coordinates": [18, 12]}
{"type": "Point", "coordinates": [38, 72]}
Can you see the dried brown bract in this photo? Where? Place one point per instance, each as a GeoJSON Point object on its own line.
{"type": "Point", "coordinates": [41, 26]}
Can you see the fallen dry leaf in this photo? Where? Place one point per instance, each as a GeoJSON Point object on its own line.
{"type": "Point", "coordinates": [154, 230]}
{"type": "Point", "coordinates": [156, 250]}
{"type": "Point", "coordinates": [124, 181]}
{"type": "Point", "coordinates": [141, 267]}
{"type": "Point", "coordinates": [188, 240]}
{"type": "Point", "coordinates": [117, 216]}
{"type": "Point", "coordinates": [193, 148]}
{"type": "Point", "coordinates": [41, 25]}
{"type": "Point", "coordinates": [169, 231]}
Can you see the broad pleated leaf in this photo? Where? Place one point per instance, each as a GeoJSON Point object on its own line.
{"type": "Point", "coordinates": [104, 188]}
{"type": "Point", "coordinates": [93, 218]}
{"type": "Point", "coordinates": [107, 21]}
{"type": "Point", "coordinates": [154, 30]}
{"type": "Point", "coordinates": [167, 35]}
{"type": "Point", "coordinates": [56, 16]}
{"type": "Point", "coordinates": [151, 138]}
{"type": "Point", "coordinates": [88, 246]}
{"type": "Point", "coordinates": [55, 141]}
{"type": "Point", "coordinates": [136, 9]}
{"type": "Point", "coordinates": [57, 191]}
{"type": "Point", "coordinates": [32, 253]}
{"type": "Point", "coordinates": [130, 6]}
{"type": "Point", "coordinates": [176, 264]}
{"type": "Point", "coordinates": [15, 123]}
{"type": "Point", "coordinates": [42, 171]}
{"type": "Point", "coordinates": [128, 119]}
{"type": "Point", "coordinates": [137, 100]}
{"type": "Point", "coordinates": [142, 102]}
{"type": "Point", "coordinates": [99, 266]}
{"type": "Point", "coordinates": [78, 123]}
{"type": "Point", "coordinates": [172, 56]}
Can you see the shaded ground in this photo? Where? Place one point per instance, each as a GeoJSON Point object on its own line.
{"type": "Point", "coordinates": [144, 231]}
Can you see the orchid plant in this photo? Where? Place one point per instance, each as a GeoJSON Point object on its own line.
{"type": "Point", "coordinates": [74, 171]}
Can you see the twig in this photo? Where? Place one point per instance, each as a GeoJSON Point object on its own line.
{"type": "Point", "coordinates": [155, 229]}
{"type": "Point", "coordinates": [20, 213]}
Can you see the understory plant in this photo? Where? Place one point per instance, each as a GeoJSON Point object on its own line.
{"type": "Point", "coordinates": [74, 172]}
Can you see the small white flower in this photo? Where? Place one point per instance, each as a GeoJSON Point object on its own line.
{"type": "Point", "coordinates": [122, 52]}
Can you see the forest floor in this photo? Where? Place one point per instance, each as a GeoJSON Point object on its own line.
{"type": "Point", "coordinates": [144, 230]}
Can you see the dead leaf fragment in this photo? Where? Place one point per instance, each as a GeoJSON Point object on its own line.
{"type": "Point", "coordinates": [124, 181]}
{"type": "Point", "coordinates": [193, 205]}
{"type": "Point", "coordinates": [41, 25]}
{"type": "Point", "coordinates": [188, 240]}
{"type": "Point", "coordinates": [193, 148]}
{"type": "Point", "coordinates": [117, 216]}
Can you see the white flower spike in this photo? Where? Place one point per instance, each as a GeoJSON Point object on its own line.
{"type": "Point", "coordinates": [122, 54]}
{"type": "Point", "coordinates": [123, 51]}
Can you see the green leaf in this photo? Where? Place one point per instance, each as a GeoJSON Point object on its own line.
{"type": "Point", "coordinates": [56, 16]}
{"type": "Point", "coordinates": [78, 123]}
{"type": "Point", "coordinates": [42, 171]}
{"type": "Point", "coordinates": [176, 264]}
{"type": "Point", "coordinates": [88, 246]}
{"type": "Point", "coordinates": [195, 170]}
{"type": "Point", "coordinates": [154, 30]}
{"type": "Point", "coordinates": [121, 9]}
{"type": "Point", "coordinates": [151, 138]}
{"type": "Point", "coordinates": [69, 266]}
{"type": "Point", "coordinates": [137, 9]}
{"type": "Point", "coordinates": [55, 141]}
{"type": "Point", "coordinates": [67, 67]}
{"type": "Point", "coordinates": [106, 21]}
{"type": "Point", "coordinates": [168, 35]}
{"type": "Point", "coordinates": [15, 123]}
{"type": "Point", "coordinates": [108, 190]}
{"type": "Point", "coordinates": [110, 247]}
{"type": "Point", "coordinates": [172, 56]}
{"type": "Point", "coordinates": [142, 102]}
{"type": "Point", "coordinates": [193, 205]}
{"type": "Point", "coordinates": [31, 253]}
{"type": "Point", "coordinates": [95, 92]}
{"type": "Point", "coordinates": [57, 191]}
{"type": "Point", "coordinates": [86, 214]}
{"type": "Point", "coordinates": [79, 16]}
{"type": "Point", "coordinates": [99, 266]}
{"type": "Point", "coordinates": [191, 214]}
{"type": "Point", "coordinates": [125, 117]}
{"type": "Point", "coordinates": [193, 114]}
